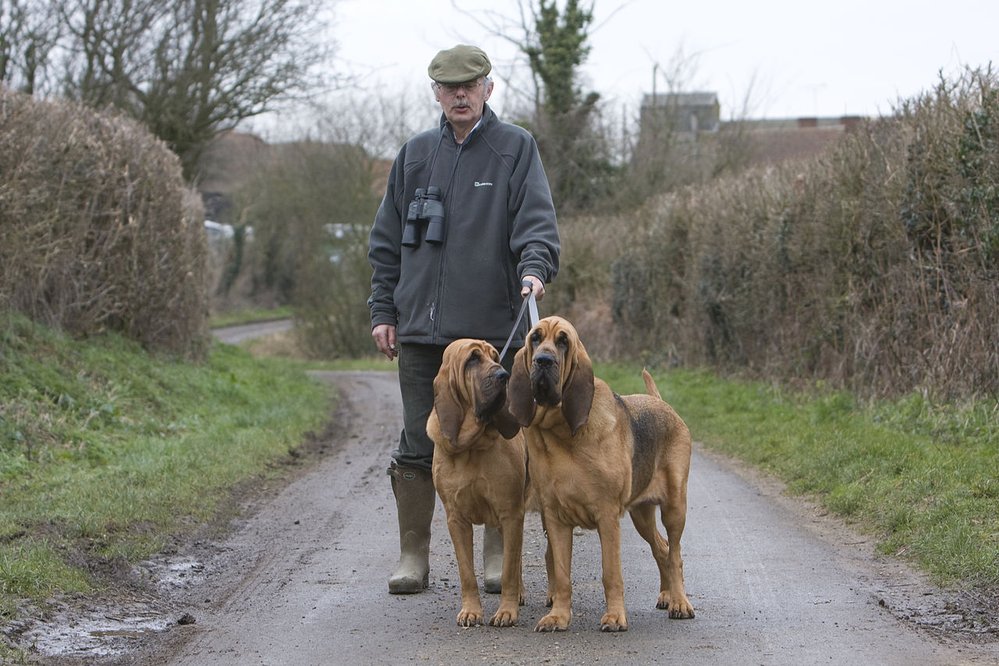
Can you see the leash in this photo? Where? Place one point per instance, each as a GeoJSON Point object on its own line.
{"type": "Point", "coordinates": [529, 305]}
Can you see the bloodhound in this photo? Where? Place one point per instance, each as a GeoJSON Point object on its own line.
{"type": "Point", "coordinates": [479, 469]}
{"type": "Point", "coordinates": [592, 455]}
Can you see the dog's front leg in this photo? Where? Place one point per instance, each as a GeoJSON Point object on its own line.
{"type": "Point", "coordinates": [512, 594]}
{"type": "Point", "coordinates": [550, 571]}
{"type": "Point", "coordinates": [615, 618]}
{"type": "Point", "coordinates": [461, 538]}
{"type": "Point", "coordinates": [559, 577]}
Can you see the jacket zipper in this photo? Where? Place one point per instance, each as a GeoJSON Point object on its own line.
{"type": "Point", "coordinates": [435, 310]}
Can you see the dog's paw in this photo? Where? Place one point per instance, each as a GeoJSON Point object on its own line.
{"type": "Point", "coordinates": [553, 622]}
{"type": "Point", "coordinates": [614, 622]}
{"type": "Point", "coordinates": [681, 609]}
{"type": "Point", "coordinates": [504, 617]}
{"type": "Point", "coordinates": [469, 618]}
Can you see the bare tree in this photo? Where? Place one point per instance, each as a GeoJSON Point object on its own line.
{"type": "Point", "coordinates": [377, 121]}
{"type": "Point", "coordinates": [190, 69]}
{"type": "Point", "coordinates": [29, 30]}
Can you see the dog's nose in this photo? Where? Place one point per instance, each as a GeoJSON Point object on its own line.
{"type": "Point", "coordinates": [544, 360]}
{"type": "Point", "coordinates": [501, 374]}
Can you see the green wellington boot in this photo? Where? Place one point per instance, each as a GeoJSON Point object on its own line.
{"type": "Point", "coordinates": [414, 499]}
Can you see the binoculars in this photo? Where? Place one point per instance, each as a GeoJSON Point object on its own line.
{"type": "Point", "coordinates": [425, 207]}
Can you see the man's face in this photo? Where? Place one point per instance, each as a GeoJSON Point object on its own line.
{"type": "Point", "coordinates": [462, 103]}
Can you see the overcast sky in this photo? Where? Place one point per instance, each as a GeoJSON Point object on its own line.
{"type": "Point", "coordinates": [787, 58]}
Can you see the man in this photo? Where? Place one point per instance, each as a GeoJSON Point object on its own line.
{"type": "Point", "coordinates": [450, 265]}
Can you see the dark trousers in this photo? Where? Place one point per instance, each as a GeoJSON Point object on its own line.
{"type": "Point", "coordinates": [418, 365]}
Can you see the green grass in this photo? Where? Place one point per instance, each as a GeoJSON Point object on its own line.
{"type": "Point", "coordinates": [106, 452]}
{"type": "Point", "coordinates": [923, 478]}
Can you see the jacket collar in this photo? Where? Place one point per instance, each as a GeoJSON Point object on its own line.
{"type": "Point", "coordinates": [488, 117]}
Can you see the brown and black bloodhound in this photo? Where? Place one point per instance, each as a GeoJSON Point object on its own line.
{"type": "Point", "coordinates": [592, 455]}
{"type": "Point", "coordinates": [479, 469]}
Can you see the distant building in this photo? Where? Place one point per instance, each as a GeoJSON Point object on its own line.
{"type": "Point", "coordinates": [775, 140]}
{"type": "Point", "coordinates": [690, 112]}
{"type": "Point", "coordinates": [674, 120]}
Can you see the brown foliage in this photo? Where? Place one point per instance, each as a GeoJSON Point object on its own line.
{"type": "Point", "coordinates": [97, 229]}
{"type": "Point", "coordinates": [875, 267]}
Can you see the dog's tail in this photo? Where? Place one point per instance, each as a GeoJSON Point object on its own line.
{"type": "Point", "coordinates": [650, 384]}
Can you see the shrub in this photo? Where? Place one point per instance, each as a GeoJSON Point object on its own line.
{"type": "Point", "coordinates": [873, 267]}
{"type": "Point", "coordinates": [97, 229]}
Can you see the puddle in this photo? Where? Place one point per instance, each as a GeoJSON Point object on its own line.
{"type": "Point", "coordinates": [173, 573]}
{"type": "Point", "coordinates": [93, 633]}
{"type": "Point", "coordinates": [102, 630]}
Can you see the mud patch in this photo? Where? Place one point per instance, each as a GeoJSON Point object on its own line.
{"type": "Point", "coordinates": [172, 573]}
{"type": "Point", "coordinates": [950, 613]}
{"type": "Point", "coordinates": [71, 629]}
{"type": "Point", "coordinates": [94, 632]}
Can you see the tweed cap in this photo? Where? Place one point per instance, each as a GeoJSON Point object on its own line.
{"type": "Point", "coordinates": [459, 64]}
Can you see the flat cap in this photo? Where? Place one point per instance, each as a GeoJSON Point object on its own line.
{"type": "Point", "coordinates": [459, 64]}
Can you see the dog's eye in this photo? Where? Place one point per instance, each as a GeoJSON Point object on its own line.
{"type": "Point", "coordinates": [536, 337]}
{"type": "Point", "coordinates": [473, 360]}
{"type": "Point", "coordinates": [562, 341]}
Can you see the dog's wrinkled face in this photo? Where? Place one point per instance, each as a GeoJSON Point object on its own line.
{"type": "Point", "coordinates": [476, 376]}
{"type": "Point", "coordinates": [553, 369]}
{"type": "Point", "coordinates": [472, 382]}
{"type": "Point", "coordinates": [549, 346]}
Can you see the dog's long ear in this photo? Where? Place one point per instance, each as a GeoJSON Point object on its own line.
{"type": "Point", "coordinates": [577, 394]}
{"type": "Point", "coordinates": [519, 394]}
{"type": "Point", "coordinates": [449, 411]}
{"type": "Point", "coordinates": [506, 423]}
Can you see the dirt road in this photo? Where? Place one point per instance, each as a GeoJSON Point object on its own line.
{"type": "Point", "coordinates": [235, 334]}
{"type": "Point", "coordinates": [303, 581]}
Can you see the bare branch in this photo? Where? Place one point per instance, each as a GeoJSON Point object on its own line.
{"type": "Point", "coordinates": [193, 68]}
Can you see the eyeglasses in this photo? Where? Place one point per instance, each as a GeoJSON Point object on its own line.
{"type": "Point", "coordinates": [453, 88]}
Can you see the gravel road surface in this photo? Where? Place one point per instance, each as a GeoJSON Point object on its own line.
{"type": "Point", "coordinates": [773, 581]}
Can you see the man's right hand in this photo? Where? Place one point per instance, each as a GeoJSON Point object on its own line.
{"type": "Point", "coordinates": [384, 335]}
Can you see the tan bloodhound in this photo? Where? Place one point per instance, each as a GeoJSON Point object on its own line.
{"type": "Point", "coordinates": [479, 469]}
{"type": "Point", "coordinates": [592, 455]}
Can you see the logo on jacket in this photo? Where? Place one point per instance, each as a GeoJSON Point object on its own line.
{"type": "Point", "coordinates": [486, 184]}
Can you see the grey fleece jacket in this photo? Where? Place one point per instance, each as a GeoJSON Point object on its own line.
{"type": "Point", "coordinates": [499, 226]}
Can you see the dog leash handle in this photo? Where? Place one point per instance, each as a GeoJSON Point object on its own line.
{"type": "Point", "coordinates": [530, 303]}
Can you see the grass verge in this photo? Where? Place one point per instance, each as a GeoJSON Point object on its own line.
{"type": "Point", "coordinates": [922, 478]}
{"type": "Point", "coordinates": [107, 452]}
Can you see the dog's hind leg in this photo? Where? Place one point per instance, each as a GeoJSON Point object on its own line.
{"type": "Point", "coordinates": [492, 560]}
{"type": "Point", "coordinates": [644, 519]}
{"type": "Point", "coordinates": [674, 516]}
